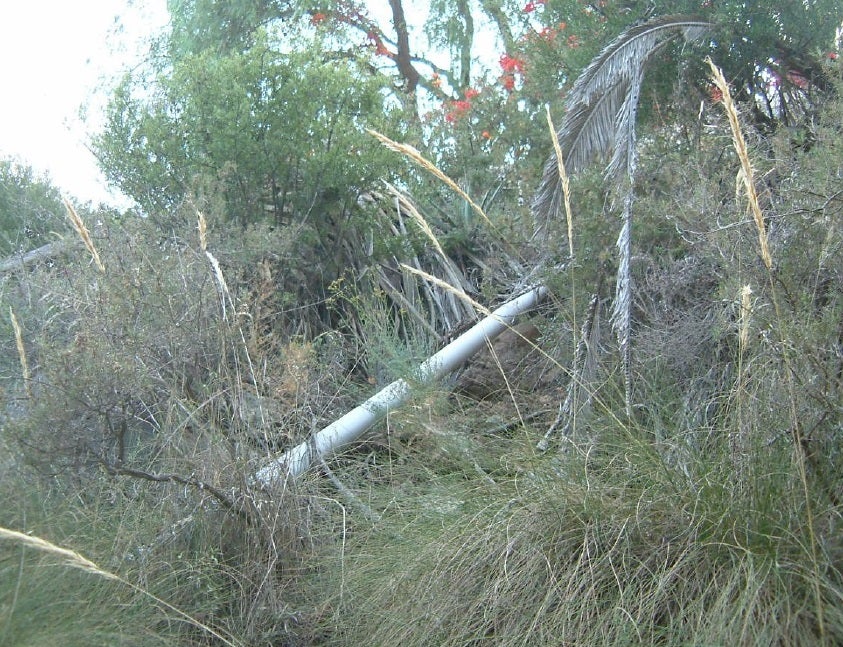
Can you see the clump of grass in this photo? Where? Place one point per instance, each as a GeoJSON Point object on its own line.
{"type": "Point", "coordinates": [617, 549]}
{"type": "Point", "coordinates": [43, 599]}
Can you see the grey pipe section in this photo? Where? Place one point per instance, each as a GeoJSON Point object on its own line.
{"type": "Point", "coordinates": [352, 425]}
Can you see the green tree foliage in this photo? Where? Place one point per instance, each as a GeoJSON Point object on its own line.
{"type": "Point", "coordinates": [773, 54]}
{"type": "Point", "coordinates": [222, 27]}
{"type": "Point", "coordinates": [30, 208]}
{"type": "Point", "coordinates": [275, 133]}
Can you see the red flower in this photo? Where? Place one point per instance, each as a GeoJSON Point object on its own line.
{"type": "Point", "coordinates": [318, 18]}
{"type": "Point", "coordinates": [486, 134]}
{"type": "Point", "coordinates": [715, 93]}
{"type": "Point", "coordinates": [511, 64]}
{"type": "Point", "coordinates": [573, 40]}
{"type": "Point", "coordinates": [832, 56]}
{"type": "Point", "coordinates": [508, 82]}
{"type": "Point", "coordinates": [458, 109]}
{"type": "Point", "coordinates": [470, 93]}
{"type": "Point", "coordinates": [530, 6]}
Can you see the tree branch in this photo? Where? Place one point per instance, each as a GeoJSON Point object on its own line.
{"type": "Point", "coordinates": [227, 502]}
{"type": "Point", "coordinates": [18, 261]}
{"type": "Point", "coordinates": [403, 59]}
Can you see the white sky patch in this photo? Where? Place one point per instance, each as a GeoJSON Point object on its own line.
{"type": "Point", "coordinates": [54, 54]}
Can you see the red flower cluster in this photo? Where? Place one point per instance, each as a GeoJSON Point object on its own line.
{"type": "Point", "coordinates": [546, 33]}
{"type": "Point", "coordinates": [510, 66]}
{"type": "Point", "coordinates": [459, 108]}
{"type": "Point", "coordinates": [318, 18]}
{"type": "Point", "coordinates": [532, 5]}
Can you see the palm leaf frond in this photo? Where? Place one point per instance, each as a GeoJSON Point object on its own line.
{"type": "Point", "coordinates": [602, 106]}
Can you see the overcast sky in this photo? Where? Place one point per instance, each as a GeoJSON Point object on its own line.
{"type": "Point", "coordinates": [54, 55]}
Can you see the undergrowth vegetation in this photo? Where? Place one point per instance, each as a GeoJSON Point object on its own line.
{"type": "Point", "coordinates": [157, 385]}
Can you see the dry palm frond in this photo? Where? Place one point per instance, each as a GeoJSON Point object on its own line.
{"type": "Point", "coordinates": [600, 117]}
{"type": "Point", "coordinates": [582, 376]}
{"type": "Point", "coordinates": [84, 234]}
{"type": "Point", "coordinates": [622, 306]}
{"type": "Point", "coordinates": [602, 105]}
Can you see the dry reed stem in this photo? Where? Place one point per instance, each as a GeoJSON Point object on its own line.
{"type": "Point", "coordinates": [418, 158]}
{"type": "Point", "coordinates": [746, 314]}
{"type": "Point", "coordinates": [222, 286]}
{"type": "Point", "coordinates": [202, 226]}
{"type": "Point", "coordinates": [84, 234]}
{"type": "Point", "coordinates": [746, 176]}
{"type": "Point", "coordinates": [566, 182]}
{"type": "Point", "coordinates": [24, 364]}
{"type": "Point", "coordinates": [75, 560]}
{"type": "Point", "coordinates": [448, 288]}
{"type": "Point", "coordinates": [803, 458]}
{"type": "Point", "coordinates": [71, 558]}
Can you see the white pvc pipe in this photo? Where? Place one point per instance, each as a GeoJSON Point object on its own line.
{"type": "Point", "coordinates": [353, 424]}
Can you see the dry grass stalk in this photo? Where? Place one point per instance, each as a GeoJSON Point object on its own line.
{"type": "Point", "coordinates": [475, 304]}
{"type": "Point", "coordinates": [202, 226]}
{"type": "Point", "coordinates": [746, 314]}
{"type": "Point", "coordinates": [84, 234]}
{"type": "Point", "coordinates": [418, 158]}
{"type": "Point", "coordinates": [410, 208]}
{"type": "Point", "coordinates": [71, 558]}
{"type": "Point", "coordinates": [746, 175]}
{"type": "Point", "coordinates": [75, 560]}
{"type": "Point", "coordinates": [24, 364]}
{"type": "Point", "coordinates": [222, 286]}
{"type": "Point", "coordinates": [565, 180]}
{"type": "Point", "coordinates": [448, 288]}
